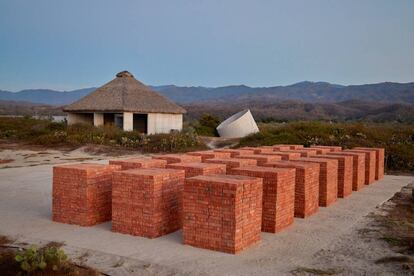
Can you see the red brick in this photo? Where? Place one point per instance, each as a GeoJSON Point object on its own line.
{"type": "Point", "coordinates": [147, 202]}
{"type": "Point", "coordinates": [305, 152]}
{"type": "Point", "coordinates": [345, 173]}
{"type": "Point", "coordinates": [306, 186]}
{"type": "Point", "coordinates": [236, 152]}
{"type": "Point", "coordinates": [328, 179]}
{"type": "Point", "coordinates": [137, 163]}
{"type": "Point", "coordinates": [82, 193]}
{"type": "Point", "coordinates": [209, 154]}
{"type": "Point", "coordinates": [261, 158]}
{"type": "Point", "coordinates": [331, 148]}
{"type": "Point", "coordinates": [293, 147]}
{"type": "Point", "coordinates": [232, 162]}
{"type": "Point", "coordinates": [322, 150]}
{"type": "Point", "coordinates": [281, 147]}
{"type": "Point", "coordinates": [285, 155]}
{"type": "Point", "coordinates": [194, 169]}
{"type": "Point", "coordinates": [379, 161]}
{"type": "Point", "coordinates": [358, 172]}
{"type": "Point", "coordinates": [259, 150]}
{"type": "Point", "coordinates": [178, 158]}
{"type": "Point", "coordinates": [278, 195]}
{"type": "Point", "coordinates": [222, 212]}
{"type": "Point", "coordinates": [369, 164]}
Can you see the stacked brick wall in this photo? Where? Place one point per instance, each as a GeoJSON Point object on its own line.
{"type": "Point", "coordinates": [379, 162]}
{"type": "Point", "coordinates": [236, 152]}
{"type": "Point", "coordinates": [209, 154]}
{"type": "Point", "coordinates": [232, 162]}
{"type": "Point", "coordinates": [222, 212]}
{"type": "Point", "coordinates": [278, 195]}
{"type": "Point", "coordinates": [370, 161]}
{"type": "Point", "coordinates": [358, 172]}
{"type": "Point", "coordinates": [261, 158]}
{"type": "Point", "coordinates": [306, 185]}
{"type": "Point", "coordinates": [328, 179]}
{"type": "Point", "coordinates": [137, 163]}
{"type": "Point", "coordinates": [147, 202]}
{"type": "Point", "coordinates": [303, 152]}
{"type": "Point", "coordinates": [259, 150]}
{"type": "Point", "coordinates": [345, 173]}
{"type": "Point", "coordinates": [285, 155]}
{"type": "Point", "coordinates": [331, 148]}
{"type": "Point", "coordinates": [82, 193]}
{"type": "Point", "coordinates": [194, 169]}
{"type": "Point", "coordinates": [178, 158]}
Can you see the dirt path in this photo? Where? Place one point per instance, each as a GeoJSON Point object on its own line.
{"type": "Point", "coordinates": [25, 200]}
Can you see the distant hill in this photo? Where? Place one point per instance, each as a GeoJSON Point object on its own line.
{"type": "Point", "coordinates": [27, 108]}
{"type": "Point", "coordinates": [311, 92]}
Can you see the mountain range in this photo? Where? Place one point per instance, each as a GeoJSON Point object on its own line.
{"type": "Point", "coordinates": [311, 92]}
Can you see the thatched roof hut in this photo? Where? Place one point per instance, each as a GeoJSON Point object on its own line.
{"type": "Point", "coordinates": [129, 103]}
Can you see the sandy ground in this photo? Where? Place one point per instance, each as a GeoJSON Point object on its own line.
{"type": "Point", "coordinates": [326, 240]}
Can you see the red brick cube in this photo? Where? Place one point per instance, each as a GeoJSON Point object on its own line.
{"type": "Point", "coordinates": [345, 173]}
{"type": "Point", "coordinates": [281, 147]}
{"type": "Point", "coordinates": [147, 202]}
{"type": "Point", "coordinates": [303, 152]}
{"type": "Point", "coordinates": [261, 158]}
{"type": "Point", "coordinates": [137, 163]}
{"type": "Point", "coordinates": [222, 212]}
{"type": "Point", "coordinates": [194, 169]}
{"type": "Point", "coordinates": [292, 147]}
{"type": "Point", "coordinates": [278, 195]}
{"type": "Point", "coordinates": [285, 155]}
{"type": "Point", "coordinates": [306, 186]}
{"type": "Point", "coordinates": [358, 172]}
{"type": "Point", "coordinates": [236, 152]}
{"type": "Point", "coordinates": [379, 161]}
{"type": "Point", "coordinates": [328, 179]}
{"type": "Point", "coordinates": [82, 193]}
{"type": "Point", "coordinates": [370, 161]}
{"type": "Point", "coordinates": [232, 162]}
{"type": "Point", "coordinates": [331, 148]}
{"type": "Point", "coordinates": [258, 150]}
{"type": "Point", "coordinates": [209, 154]}
{"type": "Point", "coordinates": [178, 158]}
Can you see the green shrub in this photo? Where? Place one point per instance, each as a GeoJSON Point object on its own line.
{"type": "Point", "coordinates": [34, 259]}
{"type": "Point", "coordinates": [206, 125]}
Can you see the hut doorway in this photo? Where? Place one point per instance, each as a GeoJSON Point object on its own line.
{"type": "Point", "coordinates": [141, 123]}
{"type": "Point", "coordinates": [119, 120]}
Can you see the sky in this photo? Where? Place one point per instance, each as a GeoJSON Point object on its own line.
{"type": "Point", "coordinates": [72, 44]}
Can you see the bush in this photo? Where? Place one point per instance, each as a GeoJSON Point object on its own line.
{"type": "Point", "coordinates": [34, 259]}
{"type": "Point", "coordinates": [397, 139]}
{"type": "Point", "coordinates": [206, 125]}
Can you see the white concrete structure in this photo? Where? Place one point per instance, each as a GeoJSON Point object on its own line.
{"type": "Point", "coordinates": [128, 104]}
{"type": "Point", "coordinates": [239, 125]}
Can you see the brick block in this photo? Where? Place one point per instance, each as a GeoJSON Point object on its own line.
{"type": "Point", "coordinates": [285, 155]}
{"type": "Point", "coordinates": [306, 185]}
{"type": "Point", "coordinates": [358, 172]}
{"type": "Point", "coordinates": [194, 169]}
{"type": "Point", "coordinates": [278, 195]}
{"type": "Point", "coordinates": [345, 173]}
{"type": "Point", "coordinates": [209, 154]}
{"type": "Point", "coordinates": [305, 152]}
{"type": "Point", "coordinates": [236, 152]}
{"type": "Point", "coordinates": [281, 147]}
{"type": "Point", "coordinates": [322, 150]}
{"type": "Point", "coordinates": [328, 179]}
{"type": "Point", "coordinates": [232, 162]}
{"type": "Point", "coordinates": [222, 212]}
{"type": "Point", "coordinates": [369, 164]}
{"type": "Point", "coordinates": [259, 150]}
{"type": "Point", "coordinates": [82, 193]}
{"type": "Point", "coordinates": [379, 161]}
{"type": "Point", "coordinates": [331, 148]}
{"type": "Point", "coordinates": [292, 147]}
{"type": "Point", "coordinates": [137, 163]}
{"type": "Point", "coordinates": [147, 202]}
{"type": "Point", "coordinates": [261, 158]}
{"type": "Point", "coordinates": [178, 158]}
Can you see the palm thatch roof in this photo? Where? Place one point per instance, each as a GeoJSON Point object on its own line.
{"type": "Point", "coordinates": [124, 94]}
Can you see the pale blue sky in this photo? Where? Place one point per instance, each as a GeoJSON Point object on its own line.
{"type": "Point", "coordinates": [70, 44]}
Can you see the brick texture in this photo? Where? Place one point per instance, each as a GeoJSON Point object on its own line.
{"type": "Point", "coordinates": [345, 172]}
{"type": "Point", "coordinates": [369, 164]}
{"type": "Point", "coordinates": [278, 195]}
{"type": "Point", "coordinates": [222, 212]}
{"type": "Point", "coordinates": [322, 150]}
{"type": "Point", "coordinates": [331, 148]}
{"type": "Point", "coordinates": [358, 172]}
{"type": "Point", "coordinates": [137, 163]}
{"type": "Point", "coordinates": [236, 152]}
{"type": "Point", "coordinates": [194, 169]}
{"type": "Point", "coordinates": [280, 147]}
{"type": "Point", "coordinates": [303, 152]}
{"type": "Point", "coordinates": [147, 202]}
{"type": "Point", "coordinates": [232, 162]}
{"type": "Point", "coordinates": [261, 158]}
{"type": "Point", "coordinates": [285, 155]}
{"type": "Point", "coordinates": [82, 193]}
{"type": "Point", "coordinates": [259, 150]}
{"type": "Point", "coordinates": [178, 158]}
{"type": "Point", "coordinates": [306, 185]}
{"type": "Point", "coordinates": [209, 154]}
{"type": "Point", "coordinates": [379, 162]}
{"type": "Point", "coordinates": [328, 179]}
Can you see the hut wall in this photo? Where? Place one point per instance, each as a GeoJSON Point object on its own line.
{"type": "Point", "coordinates": [164, 123]}
{"type": "Point", "coordinates": [98, 119]}
{"type": "Point", "coordinates": [80, 118]}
